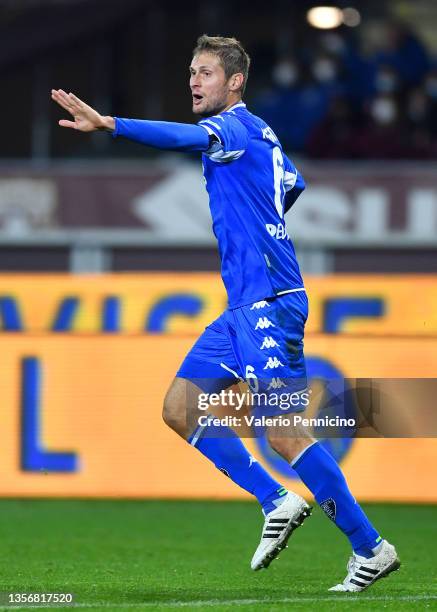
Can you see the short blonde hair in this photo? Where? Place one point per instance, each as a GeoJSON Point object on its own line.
{"type": "Point", "coordinates": [231, 53]}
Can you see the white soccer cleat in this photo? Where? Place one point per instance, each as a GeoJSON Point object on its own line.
{"type": "Point", "coordinates": [362, 572]}
{"type": "Point", "coordinates": [278, 527]}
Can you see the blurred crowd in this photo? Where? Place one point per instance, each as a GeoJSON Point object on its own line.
{"type": "Point", "coordinates": [335, 97]}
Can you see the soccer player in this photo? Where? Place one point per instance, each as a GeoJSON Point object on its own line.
{"type": "Point", "coordinates": [251, 185]}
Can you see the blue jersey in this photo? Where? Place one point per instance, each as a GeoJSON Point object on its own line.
{"type": "Point", "coordinates": [247, 176]}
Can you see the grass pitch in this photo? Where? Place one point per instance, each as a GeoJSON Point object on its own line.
{"type": "Point", "coordinates": [171, 555]}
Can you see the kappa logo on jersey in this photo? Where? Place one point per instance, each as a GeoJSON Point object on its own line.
{"type": "Point", "coordinates": [277, 231]}
{"type": "Point", "coordinates": [276, 383]}
{"type": "Point", "coordinates": [268, 342]}
{"type": "Point", "coordinates": [259, 305]}
{"type": "Point", "coordinates": [272, 363]}
{"type": "Point", "coordinates": [264, 323]}
{"type": "Point", "coordinates": [269, 134]}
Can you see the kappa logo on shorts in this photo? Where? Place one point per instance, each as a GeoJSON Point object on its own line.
{"type": "Point", "coordinates": [276, 383]}
{"type": "Point", "coordinates": [272, 363]}
{"type": "Point", "coordinates": [268, 342]}
{"type": "Point", "coordinates": [264, 323]}
{"type": "Point", "coordinates": [259, 305]}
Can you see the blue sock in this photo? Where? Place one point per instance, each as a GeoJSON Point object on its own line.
{"type": "Point", "coordinates": [323, 477]}
{"type": "Point", "coordinates": [225, 449]}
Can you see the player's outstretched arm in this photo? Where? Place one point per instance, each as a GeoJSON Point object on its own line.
{"type": "Point", "coordinates": [85, 118]}
{"type": "Point", "coordinates": [166, 135]}
{"type": "Point", "coordinates": [158, 134]}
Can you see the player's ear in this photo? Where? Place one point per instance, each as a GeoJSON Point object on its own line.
{"type": "Point", "coordinates": [236, 81]}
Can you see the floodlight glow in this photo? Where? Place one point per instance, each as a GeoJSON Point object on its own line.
{"type": "Point", "coordinates": [325, 17]}
{"type": "Point", "coordinates": [351, 17]}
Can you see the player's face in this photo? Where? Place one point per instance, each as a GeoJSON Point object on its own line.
{"type": "Point", "coordinates": [208, 84]}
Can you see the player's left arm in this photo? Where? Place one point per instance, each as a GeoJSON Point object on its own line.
{"type": "Point", "coordinates": [293, 182]}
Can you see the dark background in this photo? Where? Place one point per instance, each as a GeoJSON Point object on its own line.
{"type": "Point", "coordinates": [131, 58]}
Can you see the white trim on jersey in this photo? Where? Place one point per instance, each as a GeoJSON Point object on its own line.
{"type": "Point", "coordinates": [290, 179]}
{"type": "Point", "coordinates": [210, 123]}
{"type": "Point", "coordinates": [215, 151]}
{"type": "Point", "coordinates": [237, 105]}
{"type": "Point", "coordinates": [222, 157]}
{"type": "Point", "coordinates": [209, 130]}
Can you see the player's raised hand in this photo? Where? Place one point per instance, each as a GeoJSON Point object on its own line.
{"type": "Point", "coordinates": [86, 119]}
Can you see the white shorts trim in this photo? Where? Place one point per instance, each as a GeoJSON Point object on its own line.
{"type": "Point", "coordinates": [291, 291]}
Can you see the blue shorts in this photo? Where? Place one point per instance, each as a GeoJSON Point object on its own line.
{"type": "Point", "coordinates": [260, 343]}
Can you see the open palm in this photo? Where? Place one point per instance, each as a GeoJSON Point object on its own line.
{"type": "Point", "coordinates": [86, 119]}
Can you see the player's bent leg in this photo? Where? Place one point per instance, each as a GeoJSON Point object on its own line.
{"type": "Point", "coordinates": [322, 475]}
{"type": "Point", "coordinates": [219, 444]}
{"type": "Point", "coordinates": [211, 364]}
{"type": "Point", "coordinates": [371, 554]}
{"type": "Point", "coordinates": [373, 557]}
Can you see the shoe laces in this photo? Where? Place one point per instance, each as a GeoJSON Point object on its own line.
{"type": "Point", "coordinates": [352, 564]}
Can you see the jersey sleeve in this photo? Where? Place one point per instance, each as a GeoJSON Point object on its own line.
{"type": "Point", "coordinates": [162, 134]}
{"type": "Point", "coordinates": [293, 182]}
{"type": "Point", "coordinates": [228, 137]}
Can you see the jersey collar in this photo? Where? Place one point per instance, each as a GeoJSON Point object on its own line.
{"type": "Point", "coordinates": [238, 105]}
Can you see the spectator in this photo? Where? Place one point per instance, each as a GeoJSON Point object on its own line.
{"type": "Point", "coordinates": [330, 100]}
{"type": "Point", "coordinates": [430, 86]}
{"type": "Point", "coordinates": [404, 52]}
{"type": "Point", "coordinates": [418, 114]}
{"type": "Point", "coordinates": [334, 137]}
{"type": "Point", "coordinates": [282, 101]}
{"type": "Point", "coordinates": [297, 103]}
{"type": "Point", "coordinates": [387, 80]}
{"type": "Point", "coordinates": [381, 135]}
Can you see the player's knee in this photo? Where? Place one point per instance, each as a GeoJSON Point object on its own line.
{"type": "Point", "coordinates": [170, 415]}
{"type": "Point", "coordinates": [276, 442]}
{"type": "Point", "coordinates": [173, 414]}
{"type": "Point", "coordinates": [286, 446]}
